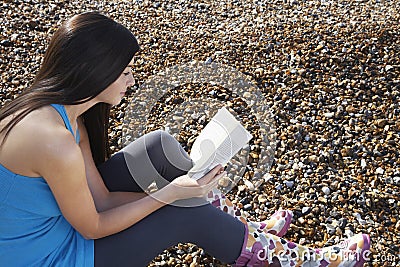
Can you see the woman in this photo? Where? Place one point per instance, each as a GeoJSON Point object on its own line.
{"type": "Point", "coordinates": [57, 208]}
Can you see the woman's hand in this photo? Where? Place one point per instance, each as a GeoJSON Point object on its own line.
{"type": "Point", "coordinates": [184, 187]}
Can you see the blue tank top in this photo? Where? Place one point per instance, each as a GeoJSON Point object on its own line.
{"type": "Point", "coordinates": [33, 232]}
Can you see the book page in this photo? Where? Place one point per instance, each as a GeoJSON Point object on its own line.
{"type": "Point", "coordinates": [219, 141]}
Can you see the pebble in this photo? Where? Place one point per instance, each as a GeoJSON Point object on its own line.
{"type": "Point", "coordinates": [326, 190]}
{"type": "Point", "coordinates": [329, 76]}
{"type": "Point", "coordinates": [379, 170]}
{"type": "Point", "coordinates": [306, 210]}
{"type": "Point", "coordinates": [249, 185]}
{"type": "Point", "coordinates": [247, 207]}
{"type": "Point", "coordinates": [289, 184]}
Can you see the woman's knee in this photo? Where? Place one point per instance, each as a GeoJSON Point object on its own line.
{"type": "Point", "coordinates": [162, 146]}
{"type": "Point", "coordinates": [159, 151]}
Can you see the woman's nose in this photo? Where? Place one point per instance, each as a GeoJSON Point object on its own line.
{"type": "Point", "coordinates": [130, 81]}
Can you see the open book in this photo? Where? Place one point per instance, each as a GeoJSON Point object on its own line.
{"type": "Point", "coordinates": [219, 141]}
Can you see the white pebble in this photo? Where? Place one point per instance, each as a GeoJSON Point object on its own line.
{"type": "Point", "coordinates": [388, 67]}
{"type": "Point", "coordinates": [326, 190]}
{"type": "Point", "coordinates": [379, 170]}
{"type": "Point", "coordinates": [249, 185]}
{"type": "Point", "coordinates": [329, 114]}
{"type": "Point", "coordinates": [363, 163]}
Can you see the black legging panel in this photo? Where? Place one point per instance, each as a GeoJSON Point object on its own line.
{"type": "Point", "coordinates": [216, 232]}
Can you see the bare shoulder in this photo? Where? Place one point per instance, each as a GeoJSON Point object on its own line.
{"type": "Point", "coordinates": [38, 143]}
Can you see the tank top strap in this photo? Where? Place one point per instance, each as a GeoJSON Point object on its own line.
{"type": "Point", "coordinates": [63, 113]}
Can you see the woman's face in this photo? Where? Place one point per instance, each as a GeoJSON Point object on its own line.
{"type": "Point", "coordinates": [115, 91]}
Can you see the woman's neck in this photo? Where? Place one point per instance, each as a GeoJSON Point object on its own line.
{"type": "Point", "coordinates": [74, 111]}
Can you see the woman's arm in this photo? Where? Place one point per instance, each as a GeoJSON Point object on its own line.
{"type": "Point", "coordinates": [64, 170]}
{"type": "Point", "coordinates": [103, 199]}
{"type": "Point", "coordinates": [61, 163]}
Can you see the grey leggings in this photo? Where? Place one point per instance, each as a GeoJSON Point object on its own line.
{"type": "Point", "coordinates": [218, 233]}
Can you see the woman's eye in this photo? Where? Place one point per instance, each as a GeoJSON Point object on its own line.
{"type": "Point", "coordinates": [126, 73]}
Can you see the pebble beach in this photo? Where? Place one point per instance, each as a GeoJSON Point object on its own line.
{"type": "Point", "coordinates": [329, 72]}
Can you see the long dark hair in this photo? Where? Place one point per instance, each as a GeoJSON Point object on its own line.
{"type": "Point", "coordinates": [85, 55]}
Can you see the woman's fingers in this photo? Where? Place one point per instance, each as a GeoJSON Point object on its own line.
{"type": "Point", "coordinates": [186, 187]}
{"type": "Point", "coordinates": [208, 187]}
{"type": "Point", "coordinates": [211, 175]}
